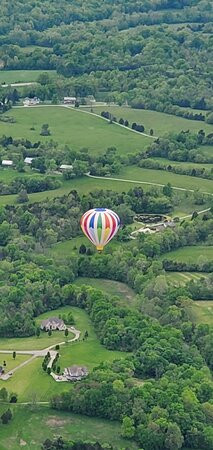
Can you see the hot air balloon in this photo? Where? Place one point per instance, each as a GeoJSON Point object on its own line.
{"type": "Point", "coordinates": [100, 225]}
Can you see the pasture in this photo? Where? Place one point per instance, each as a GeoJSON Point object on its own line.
{"type": "Point", "coordinates": [181, 278]}
{"type": "Point", "coordinates": [160, 122]}
{"type": "Point", "coordinates": [25, 428]}
{"type": "Point", "coordinates": [183, 164]}
{"type": "Point", "coordinates": [190, 254]}
{"type": "Point", "coordinates": [72, 127]}
{"type": "Point", "coordinates": [162, 177]}
{"type": "Point", "coordinates": [21, 76]}
{"type": "Point", "coordinates": [113, 288]}
{"type": "Point", "coordinates": [202, 311]}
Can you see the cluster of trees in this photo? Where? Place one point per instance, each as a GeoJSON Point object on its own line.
{"type": "Point", "coordinates": [158, 67]}
{"type": "Point", "coordinates": [30, 185]}
{"type": "Point", "coordinates": [203, 265]}
{"type": "Point", "coordinates": [60, 443]}
{"type": "Point", "coordinates": [181, 170]}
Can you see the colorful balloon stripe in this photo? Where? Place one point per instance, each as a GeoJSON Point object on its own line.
{"type": "Point", "coordinates": [100, 225]}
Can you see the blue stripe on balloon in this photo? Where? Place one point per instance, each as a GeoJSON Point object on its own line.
{"type": "Point", "coordinates": [92, 221]}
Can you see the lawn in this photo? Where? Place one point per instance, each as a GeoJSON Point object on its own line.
{"type": "Point", "coordinates": [181, 278]}
{"type": "Point", "coordinates": [73, 127]}
{"type": "Point", "coordinates": [21, 76]}
{"type": "Point", "coordinates": [202, 311]}
{"type": "Point", "coordinates": [32, 342]}
{"type": "Point", "coordinates": [121, 290]}
{"type": "Point", "coordinates": [190, 254]}
{"type": "Point", "coordinates": [162, 177]}
{"type": "Point", "coordinates": [12, 363]}
{"type": "Point", "coordinates": [8, 175]}
{"type": "Point", "coordinates": [184, 165]}
{"type": "Point", "coordinates": [89, 353]}
{"type": "Point", "coordinates": [25, 428]}
{"type": "Point", "coordinates": [161, 123]}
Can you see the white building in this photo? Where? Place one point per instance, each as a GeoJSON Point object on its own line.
{"type": "Point", "coordinates": [28, 160]}
{"type": "Point", "coordinates": [7, 163]}
{"type": "Point", "coordinates": [70, 101]}
{"type": "Point", "coordinates": [31, 101]}
{"type": "Point", "coordinates": [66, 167]}
{"type": "Point", "coordinates": [75, 373]}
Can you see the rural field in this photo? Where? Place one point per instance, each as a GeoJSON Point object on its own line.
{"type": "Point", "coordinates": [21, 76]}
{"type": "Point", "coordinates": [202, 311]}
{"type": "Point", "coordinates": [89, 353]}
{"type": "Point", "coordinates": [181, 278]}
{"type": "Point", "coordinates": [121, 290]}
{"type": "Point", "coordinates": [73, 127]}
{"type": "Point", "coordinates": [183, 164]}
{"type": "Point", "coordinates": [25, 429]}
{"type": "Point", "coordinates": [190, 254]}
{"type": "Point", "coordinates": [161, 123]}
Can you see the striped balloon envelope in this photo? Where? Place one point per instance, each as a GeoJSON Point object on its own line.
{"type": "Point", "coordinates": [100, 225]}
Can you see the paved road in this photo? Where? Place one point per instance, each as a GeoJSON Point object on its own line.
{"type": "Point", "coordinates": [19, 84]}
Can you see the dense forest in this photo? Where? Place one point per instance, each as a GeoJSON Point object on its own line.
{"type": "Point", "coordinates": [152, 54]}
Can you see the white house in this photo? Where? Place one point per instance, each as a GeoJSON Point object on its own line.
{"type": "Point", "coordinates": [70, 101]}
{"type": "Point", "coordinates": [66, 167]}
{"type": "Point", "coordinates": [75, 373]}
{"type": "Point", "coordinates": [31, 101]}
{"type": "Point", "coordinates": [7, 163]}
{"type": "Point", "coordinates": [53, 323]}
{"type": "Point", "coordinates": [28, 160]}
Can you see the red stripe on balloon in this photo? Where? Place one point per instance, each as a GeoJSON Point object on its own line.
{"type": "Point", "coordinates": [113, 227]}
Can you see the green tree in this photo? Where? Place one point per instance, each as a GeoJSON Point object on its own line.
{"type": "Point", "coordinates": [174, 439]}
{"type": "Point", "coordinates": [22, 197]}
{"type": "Point", "coordinates": [66, 332]}
{"type": "Point", "coordinates": [14, 355]}
{"type": "Point", "coordinates": [38, 331]}
{"type": "Point", "coordinates": [127, 427]}
{"type": "Point", "coordinates": [6, 417]}
{"type": "Point", "coordinates": [3, 394]}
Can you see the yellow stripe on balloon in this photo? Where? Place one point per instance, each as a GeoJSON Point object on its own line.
{"type": "Point", "coordinates": [106, 233]}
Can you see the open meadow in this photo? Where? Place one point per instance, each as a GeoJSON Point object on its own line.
{"type": "Point", "coordinates": [201, 311]}
{"type": "Point", "coordinates": [121, 290]}
{"type": "Point", "coordinates": [160, 122]}
{"type": "Point", "coordinates": [25, 429]}
{"type": "Point", "coordinates": [72, 127]}
{"type": "Point", "coordinates": [21, 76]}
{"type": "Point", "coordinates": [190, 254]}
{"type": "Point", "coordinates": [181, 278]}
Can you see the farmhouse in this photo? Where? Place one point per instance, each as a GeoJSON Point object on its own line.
{"type": "Point", "coordinates": [7, 163]}
{"type": "Point", "coordinates": [31, 101]}
{"type": "Point", "coordinates": [75, 373]}
{"type": "Point", "coordinates": [65, 167]}
{"type": "Point", "coordinates": [70, 101]}
{"type": "Point", "coordinates": [53, 323]}
{"type": "Point", "coordinates": [28, 160]}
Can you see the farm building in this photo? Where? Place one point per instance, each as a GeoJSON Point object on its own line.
{"type": "Point", "coordinates": [31, 101]}
{"type": "Point", "coordinates": [66, 167]}
{"type": "Point", "coordinates": [75, 373]}
{"type": "Point", "coordinates": [70, 101]}
{"type": "Point", "coordinates": [7, 163]}
{"type": "Point", "coordinates": [53, 323]}
{"type": "Point", "coordinates": [28, 160]}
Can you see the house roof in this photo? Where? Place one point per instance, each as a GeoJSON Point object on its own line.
{"type": "Point", "coordinates": [7, 162]}
{"type": "Point", "coordinates": [69, 98]}
{"type": "Point", "coordinates": [28, 160]}
{"type": "Point", "coordinates": [52, 320]}
{"type": "Point", "coordinates": [77, 371]}
{"type": "Point", "coordinates": [66, 166]}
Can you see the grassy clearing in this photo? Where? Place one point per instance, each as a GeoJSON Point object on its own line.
{"type": "Point", "coordinates": [73, 127]}
{"type": "Point", "coordinates": [184, 165]}
{"type": "Point", "coordinates": [21, 76]}
{"type": "Point", "coordinates": [190, 254]}
{"type": "Point", "coordinates": [206, 150]}
{"type": "Point", "coordinates": [161, 123]}
{"type": "Point", "coordinates": [32, 380]}
{"type": "Point", "coordinates": [181, 278]}
{"type": "Point", "coordinates": [8, 175]}
{"type": "Point", "coordinates": [121, 290]}
{"type": "Point", "coordinates": [26, 428]}
{"type": "Point", "coordinates": [11, 363]}
{"type": "Point", "coordinates": [162, 177]}
{"type": "Point", "coordinates": [202, 311]}
{"type": "Point", "coordinates": [33, 342]}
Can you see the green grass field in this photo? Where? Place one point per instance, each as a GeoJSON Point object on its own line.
{"type": "Point", "coordinates": [73, 127]}
{"type": "Point", "coordinates": [12, 363]}
{"type": "Point", "coordinates": [89, 353]}
{"type": "Point", "coordinates": [202, 311]}
{"type": "Point", "coordinates": [21, 76]}
{"type": "Point", "coordinates": [25, 428]}
{"type": "Point", "coordinates": [120, 290]}
{"type": "Point", "coordinates": [161, 123]}
{"type": "Point", "coordinates": [190, 254]}
{"type": "Point", "coordinates": [181, 278]}
{"type": "Point", "coordinates": [162, 177]}
{"type": "Point", "coordinates": [184, 165]}
{"type": "Point", "coordinates": [33, 342]}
